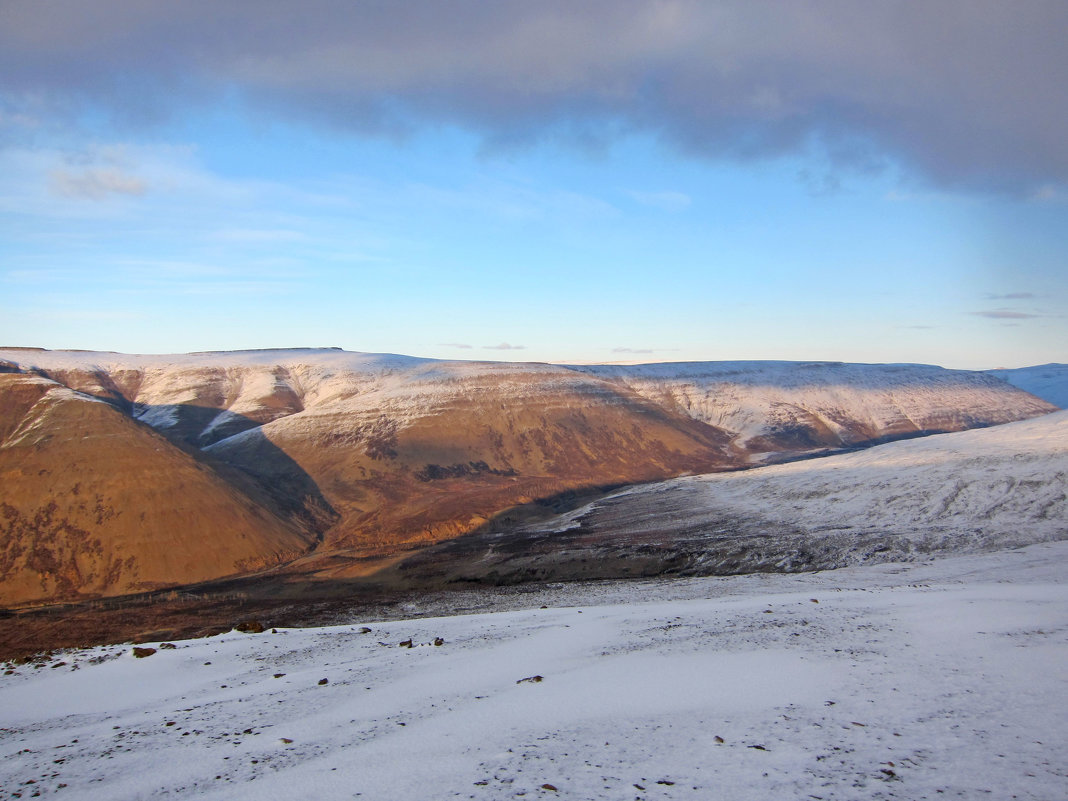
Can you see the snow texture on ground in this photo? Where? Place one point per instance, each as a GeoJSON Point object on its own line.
{"type": "Point", "coordinates": [985, 489]}
{"type": "Point", "coordinates": [944, 679]}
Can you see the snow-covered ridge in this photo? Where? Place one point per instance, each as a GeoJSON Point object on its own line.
{"type": "Point", "coordinates": [1046, 381]}
{"type": "Point", "coordinates": [768, 406]}
{"type": "Point", "coordinates": [853, 403]}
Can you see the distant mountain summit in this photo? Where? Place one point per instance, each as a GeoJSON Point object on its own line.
{"type": "Point", "coordinates": [123, 472]}
{"type": "Point", "coordinates": [1046, 381]}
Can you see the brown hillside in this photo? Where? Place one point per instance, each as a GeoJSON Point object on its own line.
{"type": "Point", "coordinates": [94, 503]}
{"type": "Point", "coordinates": [398, 475]}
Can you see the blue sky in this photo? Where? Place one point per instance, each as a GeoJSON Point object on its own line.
{"type": "Point", "coordinates": [464, 199]}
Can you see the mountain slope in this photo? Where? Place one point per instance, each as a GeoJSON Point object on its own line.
{"type": "Point", "coordinates": [922, 681]}
{"type": "Point", "coordinates": [1046, 381]}
{"type": "Point", "coordinates": [971, 491]}
{"type": "Point", "coordinates": [791, 406]}
{"type": "Point", "coordinates": [379, 453]}
{"type": "Point", "coordinates": [94, 503]}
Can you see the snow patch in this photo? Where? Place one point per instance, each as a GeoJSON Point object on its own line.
{"type": "Point", "coordinates": [899, 681]}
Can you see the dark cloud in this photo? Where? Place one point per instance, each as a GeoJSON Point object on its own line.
{"type": "Point", "coordinates": [968, 93]}
{"type": "Point", "coordinates": [504, 346]}
{"type": "Point", "coordinates": [1004, 314]}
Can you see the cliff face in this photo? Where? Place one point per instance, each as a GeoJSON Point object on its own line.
{"type": "Point", "coordinates": [124, 472]}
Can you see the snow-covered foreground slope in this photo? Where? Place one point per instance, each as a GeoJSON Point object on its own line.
{"type": "Point", "coordinates": [920, 681]}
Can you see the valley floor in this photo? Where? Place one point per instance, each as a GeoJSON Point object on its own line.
{"type": "Point", "coordinates": [944, 679]}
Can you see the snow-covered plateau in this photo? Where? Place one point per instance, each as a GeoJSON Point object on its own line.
{"type": "Point", "coordinates": [1046, 381]}
{"type": "Point", "coordinates": [932, 680]}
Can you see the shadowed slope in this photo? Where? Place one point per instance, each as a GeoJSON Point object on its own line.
{"type": "Point", "coordinates": [94, 503]}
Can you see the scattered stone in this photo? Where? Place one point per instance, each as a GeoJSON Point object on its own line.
{"type": "Point", "coordinates": [285, 740]}
{"type": "Point", "coordinates": [549, 787]}
{"type": "Point", "coordinates": [364, 630]}
{"type": "Point", "coordinates": [167, 646]}
{"type": "Point", "coordinates": [250, 627]}
{"type": "Point", "coordinates": [638, 786]}
{"type": "Point", "coordinates": [406, 644]}
{"type": "Point", "coordinates": [719, 739]}
{"type": "Point", "coordinates": [169, 723]}
{"type": "Point", "coordinates": [279, 675]}
{"type": "Point", "coordinates": [141, 653]}
{"type": "Point", "coordinates": [439, 641]}
{"type": "Point", "coordinates": [531, 679]}
{"type": "Point", "coordinates": [859, 724]}
{"type": "Point", "coordinates": [814, 600]}
{"type": "Point", "coordinates": [758, 747]}
{"type": "Point", "coordinates": [323, 681]}
{"type": "Point", "coordinates": [664, 782]}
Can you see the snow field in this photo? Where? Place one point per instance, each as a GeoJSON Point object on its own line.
{"type": "Point", "coordinates": [933, 680]}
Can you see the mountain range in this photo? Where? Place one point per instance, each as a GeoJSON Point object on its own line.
{"type": "Point", "coordinates": [126, 473]}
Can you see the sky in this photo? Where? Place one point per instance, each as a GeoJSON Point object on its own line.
{"type": "Point", "coordinates": [543, 181]}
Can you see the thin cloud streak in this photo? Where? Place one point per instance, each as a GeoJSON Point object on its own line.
{"type": "Point", "coordinates": [1005, 314]}
{"type": "Point", "coordinates": [95, 184]}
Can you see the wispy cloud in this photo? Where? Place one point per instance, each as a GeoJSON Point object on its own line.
{"type": "Point", "coordinates": [461, 345]}
{"type": "Point", "coordinates": [1004, 314]}
{"type": "Point", "coordinates": [96, 183]}
{"type": "Point", "coordinates": [918, 327]}
{"type": "Point", "coordinates": [258, 235]}
{"type": "Point", "coordinates": [1011, 296]}
{"type": "Point", "coordinates": [665, 201]}
{"type": "Point", "coordinates": [504, 346]}
{"type": "Point", "coordinates": [633, 350]}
